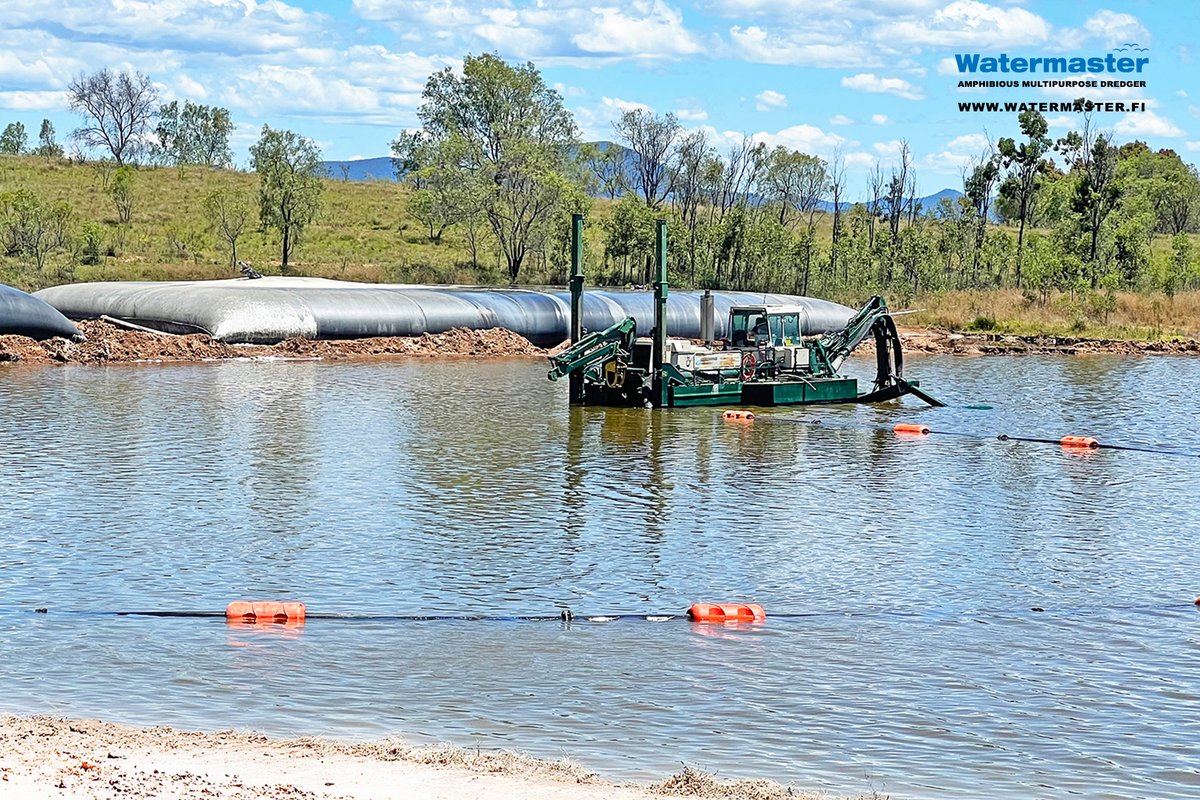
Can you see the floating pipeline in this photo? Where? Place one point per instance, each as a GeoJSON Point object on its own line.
{"type": "Point", "coordinates": [260, 612]}
{"type": "Point", "coordinates": [270, 310]}
{"type": "Point", "coordinates": [275, 614]}
{"type": "Point", "coordinates": [918, 431]}
{"type": "Point", "coordinates": [23, 314]}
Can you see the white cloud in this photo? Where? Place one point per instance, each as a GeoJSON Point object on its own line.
{"type": "Point", "coordinates": [769, 100]}
{"type": "Point", "coordinates": [183, 25]}
{"type": "Point", "coordinates": [383, 69]}
{"type": "Point", "coordinates": [506, 28]}
{"type": "Point", "coordinates": [1182, 93]}
{"type": "Point", "coordinates": [31, 60]}
{"type": "Point", "coordinates": [757, 45]}
{"type": "Point", "coordinates": [961, 151]}
{"type": "Point", "coordinates": [652, 29]}
{"type": "Point", "coordinates": [579, 33]}
{"type": "Point", "coordinates": [966, 22]}
{"type": "Point", "coordinates": [881, 119]}
{"type": "Point", "coordinates": [1061, 122]}
{"type": "Point", "coordinates": [188, 88]}
{"type": "Point", "coordinates": [1192, 145]}
{"type": "Point", "coordinates": [840, 119]}
{"type": "Point", "coordinates": [786, 10]}
{"type": "Point", "coordinates": [302, 90]}
{"type": "Point", "coordinates": [860, 159]}
{"type": "Point", "coordinates": [569, 91]}
{"type": "Point", "coordinates": [968, 143]}
{"type": "Point", "coordinates": [805, 138]}
{"type": "Point", "coordinates": [618, 105]}
{"type": "Point", "coordinates": [1146, 123]}
{"type": "Point", "coordinates": [947, 161]}
{"type": "Point", "coordinates": [1114, 29]}
{"type": "Point", "coordinates": [947, 66]}
{"type": "Point", "coordinates": [33, 101]}
{"type": "Point", "coordinates": [692, 114]}
{"type": "Point", "coordinates": [430, 13]}
{"type": "Point", "coordinates": [869, 82]}
{"type": "Point", "coordinates": [889, 149]}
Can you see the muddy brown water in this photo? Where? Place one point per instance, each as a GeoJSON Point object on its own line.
{"type": "Point", "coordinates": [919, 669]}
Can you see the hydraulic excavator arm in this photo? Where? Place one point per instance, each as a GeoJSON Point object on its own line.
{"type": "Point", "coordinates": [873, 319]}
{"type": "Point", "coordinates": [594, 349]}
{"type": "Point", "coordinates": [833, 348]}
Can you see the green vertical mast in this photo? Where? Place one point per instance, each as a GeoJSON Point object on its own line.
{"type": "Point", "coordinates": [575, 386]}
{"type": "Point", "coordinates": [660, 312]}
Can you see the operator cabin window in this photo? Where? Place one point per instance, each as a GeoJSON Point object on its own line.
{"type": "Point", "coordinates": [758, 329]}
{"type": "Point", "coordinates": [789, 330]}
{"type": "Point", "coordinates": [749, 328]}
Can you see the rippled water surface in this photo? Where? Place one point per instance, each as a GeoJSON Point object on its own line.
{"type": "Point", "coordinates": [920, 670]}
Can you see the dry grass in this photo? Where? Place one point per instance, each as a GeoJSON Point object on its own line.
{"type": "Point", "coordinates": [363, 231]}
{"type": "Point", "coordinates": [1148, 317]}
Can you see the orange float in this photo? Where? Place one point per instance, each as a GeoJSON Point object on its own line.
{"type": "Point", "coordinates": [740, 416]}
{"type": "Point", "coordinates": [259, 612]}
{"type": "Point", "coordinates": [910, 428]}
{"type": "Point", "coordinates": [726, 612]}
{"type": "Point", "coordinates": [1086, 442]}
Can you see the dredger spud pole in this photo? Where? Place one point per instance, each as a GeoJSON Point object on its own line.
{"type": "Point", "coordinates": [658, 352]}
{"type": "Point", "coordinates": [575, 381]}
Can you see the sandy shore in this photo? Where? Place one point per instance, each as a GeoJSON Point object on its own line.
{"type": "Point", "coordinates": [49, 757]}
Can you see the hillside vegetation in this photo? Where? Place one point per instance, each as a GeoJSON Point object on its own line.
{"type": "Point", "coordinates": [362, 231]}
{"type": "Point", "coordinates": [365, 233]}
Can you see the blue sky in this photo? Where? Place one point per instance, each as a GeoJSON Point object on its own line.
{"type": "Point", "coordinates": [848, 77]}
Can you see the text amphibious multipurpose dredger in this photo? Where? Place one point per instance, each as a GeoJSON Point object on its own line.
{"type": "Point", "coordinates": [766, 358]}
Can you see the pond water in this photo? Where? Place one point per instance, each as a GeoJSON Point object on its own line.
{"type": "Point", "coordinates": [919, 668]}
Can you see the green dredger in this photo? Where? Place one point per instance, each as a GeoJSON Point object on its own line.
{"type": "Point", "coordinates": [766, 360]}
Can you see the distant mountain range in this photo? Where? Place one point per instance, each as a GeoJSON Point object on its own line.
{"type": "Point", "coordinates": [380, 169]}
{"type": "Point", "coordinates": [361, 170]}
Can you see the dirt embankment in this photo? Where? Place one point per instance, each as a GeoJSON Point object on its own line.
{"type": "Point", "coordinates": [47, 757]}
{"type": "Point", "coordinates": [938, 341]}
{"type": "Point", "coordinates": [110, 344]}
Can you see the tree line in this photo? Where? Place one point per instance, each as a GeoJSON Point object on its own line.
{"type": "Point", "coordinates": [498, 163]}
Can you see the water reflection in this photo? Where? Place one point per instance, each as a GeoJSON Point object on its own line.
{"type": "Point", "coordinates": [470, 487]}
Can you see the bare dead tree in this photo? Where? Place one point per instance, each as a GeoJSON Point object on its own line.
{"type": "Point", "coordinates": [117, 109]}
{"type": "Point", "coordinates": [837, 185]}
{"type": "Point", "coordinates": [652, 139]}
{"type": "Point", "coordinates": [876, 182]}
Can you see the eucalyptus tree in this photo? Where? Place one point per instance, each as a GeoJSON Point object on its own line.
{"type": "Point", "coordinates": [509, 144]}
{"type": "Point", "coordinates": [1026, 164]}
{"type": "Point", "coordinates": [289, 185]}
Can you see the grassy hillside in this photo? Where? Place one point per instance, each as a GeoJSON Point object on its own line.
{"type": "Point", "coordinates": [363, 232]}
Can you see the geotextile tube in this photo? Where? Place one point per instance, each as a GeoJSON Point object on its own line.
{"type": "Point", "coordinates": [25, 315]}
{"type": "Point", "coordinates": [269, 310]}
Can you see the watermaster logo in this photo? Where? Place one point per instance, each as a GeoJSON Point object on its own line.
{"type": "Point", "coordinates": [1126, 60]}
